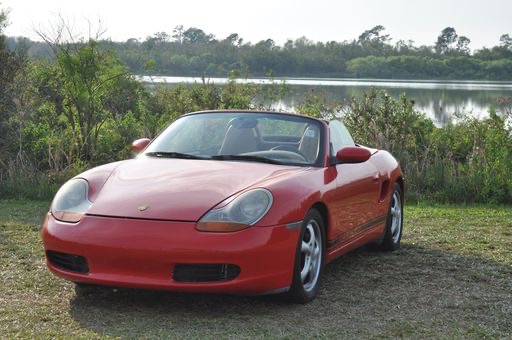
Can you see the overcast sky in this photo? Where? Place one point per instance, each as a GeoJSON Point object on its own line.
{"type": "Point", "coordinates": [483, 21]}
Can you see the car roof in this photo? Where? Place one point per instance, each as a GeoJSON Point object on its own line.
{"type": "Point", "coordinates": [256, 111]}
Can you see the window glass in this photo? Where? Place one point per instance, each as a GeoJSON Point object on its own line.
{"type": "Point", "coordinates": [286, 139]}
{"type": "Point", "coordinates": [198, 136]}
{"type": "Point", "coordinates": [339, 135]}
{"type": "Point", "coordinates": [273, 127]}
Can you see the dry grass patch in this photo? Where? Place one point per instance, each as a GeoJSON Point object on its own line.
{"type": "Point", "coordinates": [452, 278]}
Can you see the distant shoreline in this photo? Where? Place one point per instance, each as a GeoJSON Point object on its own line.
{"type": "Point", "coordinates": [304, 81]}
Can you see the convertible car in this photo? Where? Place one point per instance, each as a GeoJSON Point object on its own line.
{"type": "Point", "coordinates": [239, 202]}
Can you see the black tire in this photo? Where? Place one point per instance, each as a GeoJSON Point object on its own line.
{"type": "Point", "coordinates": [394, 222]}
{"type": "Point", "coordinates": [305, 289]}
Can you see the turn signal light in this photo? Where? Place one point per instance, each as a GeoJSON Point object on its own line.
{"type": "Point", "coordinates": [220, 227]}
{"type": "Point", "coordinates": [68, 216]}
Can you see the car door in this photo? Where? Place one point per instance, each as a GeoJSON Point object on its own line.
{"type": "Point", "coordinates": [355, 197]}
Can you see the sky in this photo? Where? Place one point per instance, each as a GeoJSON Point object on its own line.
{"type": "Point", "coordinates": [482, 21]}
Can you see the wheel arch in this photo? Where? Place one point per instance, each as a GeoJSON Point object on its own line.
{"type": "Point", "coordinates": [401, 183]}
{"type": "Point", "coordinates": [324, 212]}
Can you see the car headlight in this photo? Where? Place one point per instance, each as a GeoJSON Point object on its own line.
{"type": "Point", "coordinates": [242, 212]}
{"type": "Point", "coordinates": [71, 202]}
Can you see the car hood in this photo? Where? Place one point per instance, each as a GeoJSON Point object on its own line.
{"type": "Point", "coordinates": [178, 189]}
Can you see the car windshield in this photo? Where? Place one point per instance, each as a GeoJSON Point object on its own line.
{"type": "Point", "coordinates": [242, 136]}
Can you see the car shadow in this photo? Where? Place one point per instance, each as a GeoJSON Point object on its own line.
{"type": "Point", "coordinates": [363, 293]}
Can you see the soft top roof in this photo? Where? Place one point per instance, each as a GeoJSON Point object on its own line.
{"type": "Point", "coordinates": [256, 111]}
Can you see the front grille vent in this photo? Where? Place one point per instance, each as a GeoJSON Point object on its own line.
{"type": "Point", "coordinates": [205, 272]}
{"type": "Point", "coordinates": [74, 263]}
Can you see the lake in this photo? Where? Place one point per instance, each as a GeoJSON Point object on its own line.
{"type": "Point", "coordinates": [439, 100]}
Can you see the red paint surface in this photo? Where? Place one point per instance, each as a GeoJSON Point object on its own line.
{"type": "Point", "coordinates": [140, 144]}
{"type": "Point", "coordinates": [141, 253]}
{"type": "Point", "coordinates": [132, 248]}
{"type": "Point", "coordinates": [353, 154]}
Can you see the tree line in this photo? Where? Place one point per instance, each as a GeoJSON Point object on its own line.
{"type": "Point", "coordinates": [193, 52]}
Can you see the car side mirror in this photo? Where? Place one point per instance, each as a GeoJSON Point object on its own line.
{"type": "Point", "coordinates": [353, 154]}
{"type": "Point", "coordinates": [139, 145]}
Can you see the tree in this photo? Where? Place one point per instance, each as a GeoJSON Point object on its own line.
{"type": "Point", "coordinates": [3, 20]}
{"type": "Point", "coordinates": [506, 41]}
{"type": "Point", "coordinates": [162, 37]}
{"type": "Point", "coordinates": [177, 34]}
{"type": "Point", "coordinates": [373, 36]}
{"type": "Point", "coordinates": [404, 47]}
{"type": "Point", "coordinates": [463, 44]}
{"type": "Point", "coordinates": [195, 35]}
{"type": "Point", "coordinates": [11, 64]}
{"type": "Point", "coordinates": [373, 42]}
{"type": "Point", "coordinates": [268, 44]}
{"type": "Point", "coordinates": [232, 39]}
{"type": "Point", "coordinates": [445, 40]}
{"type": "Point", "coordinates": [86, 86]}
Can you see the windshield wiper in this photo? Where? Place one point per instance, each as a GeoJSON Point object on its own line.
{"type": "Point", "coordinates": [249, 158]}
{"type": "Point", "coordinates": [164, 154]}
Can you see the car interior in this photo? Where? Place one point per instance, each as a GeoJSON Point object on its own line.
{"type": "Point", "coordinates": [244, 137]}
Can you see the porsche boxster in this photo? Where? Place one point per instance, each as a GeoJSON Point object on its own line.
{"type": "Point", "coordinates": [239, 202]}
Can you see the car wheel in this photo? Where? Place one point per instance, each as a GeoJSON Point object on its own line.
{"type": "Point", "coordinates": [395, 220]}
{"type": "Point", "coordinates": [309, 259]}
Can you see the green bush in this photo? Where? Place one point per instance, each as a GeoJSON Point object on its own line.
{"type": "Point", "coordinates": [86, 109]}
{"type": "Point", "coordinates": [465, 162]}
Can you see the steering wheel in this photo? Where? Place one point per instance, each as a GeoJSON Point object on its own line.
{"type": "Point", "coordinates": [290, 149]}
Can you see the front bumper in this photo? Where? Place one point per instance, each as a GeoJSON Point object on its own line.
{"type": "Point", "coordinates": [143, 253]}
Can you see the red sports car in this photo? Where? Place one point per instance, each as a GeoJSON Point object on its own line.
{"type": "Point", "coordinates": [227, 202]}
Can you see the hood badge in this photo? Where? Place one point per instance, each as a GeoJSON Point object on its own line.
{"type": "Point", "coordinates": [142, 207]}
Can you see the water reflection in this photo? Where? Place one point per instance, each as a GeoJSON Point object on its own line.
{"type": "Point", "coordinates": [440, 104]}
{"type": "Point", "coordinates": [438, 100]}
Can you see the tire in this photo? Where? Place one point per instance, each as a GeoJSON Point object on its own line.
{"type": "Point", "coordinates": [309, 259]}
{"type": "Point", "coordinates": [394, 222]}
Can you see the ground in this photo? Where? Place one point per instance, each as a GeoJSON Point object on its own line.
{"type": "Point", "coordinates": [452, 278]}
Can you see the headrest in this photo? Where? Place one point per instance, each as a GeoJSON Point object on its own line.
{"type": "Point", "coordinates": [243, 123]}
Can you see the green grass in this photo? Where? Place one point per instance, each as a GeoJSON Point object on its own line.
{"type": "Point", "coordinates": [452, 278]}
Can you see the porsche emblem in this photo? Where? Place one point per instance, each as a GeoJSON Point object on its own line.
{"type": "Point", "coordinates": [142, 207]}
